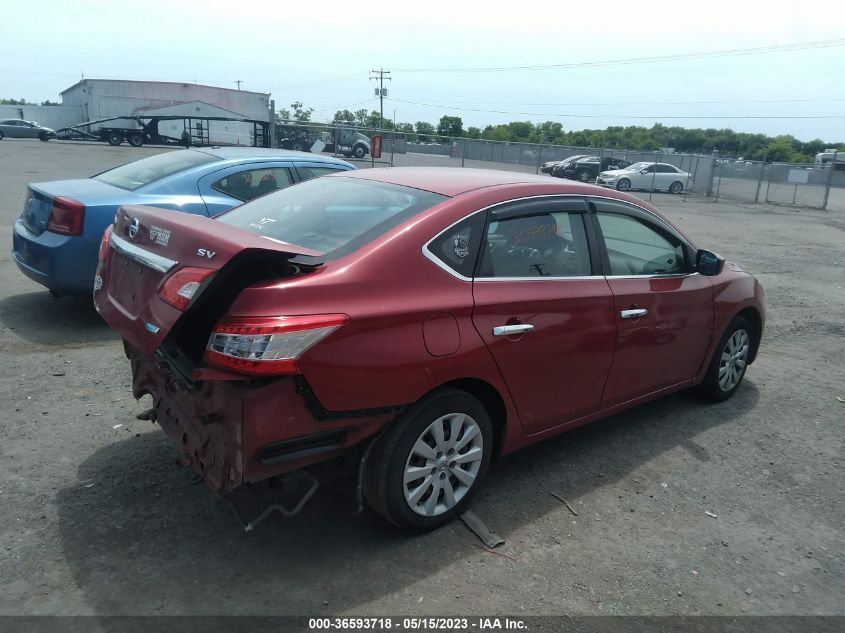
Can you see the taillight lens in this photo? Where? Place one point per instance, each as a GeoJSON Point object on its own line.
{"type": "Point", "coordinates": [66, 217]}
{"type": "Point", "coordinates": [104, 243]}
{"type": "Point", "coordinates": [181, 287]}
{"type": "Point", "coordinates": [270, 345]}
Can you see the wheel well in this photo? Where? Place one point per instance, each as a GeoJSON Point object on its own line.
{"type": "Point", "coordinates": [492, 401]}
{"type": "Point", "coordinates": [753, 317]}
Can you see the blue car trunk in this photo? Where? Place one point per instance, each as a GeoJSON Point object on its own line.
{"type": "Point", "coordinates": [39, 199]}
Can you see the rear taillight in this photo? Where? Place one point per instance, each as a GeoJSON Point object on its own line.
{"type": "Point", "coordinates": [269, 345]}
{"type": "Point", "coordinates": [104, 243]}
{"type": "Point", "coordinates": [66, 217]}
{"type": "Point", "coordinates": [181, 287]}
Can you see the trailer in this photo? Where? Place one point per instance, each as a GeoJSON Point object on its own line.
{"type": "Point", "coordinates": [147, 130]}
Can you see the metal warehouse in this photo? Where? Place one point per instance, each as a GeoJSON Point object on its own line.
{"type": "Point", "coordinates": [102, 98]}
{"type": "Point", "coordinates": [95, 99]}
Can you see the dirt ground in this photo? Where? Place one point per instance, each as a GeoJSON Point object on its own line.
{"type": "Point", "coordinates": [97, 519]}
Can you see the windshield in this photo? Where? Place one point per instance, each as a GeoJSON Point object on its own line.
{"type": "Point", "coordinates": [334, 215]}
{"type": "Point", "coordinates": [147, 170]}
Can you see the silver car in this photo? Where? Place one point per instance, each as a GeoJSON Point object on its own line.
{"type": "Point", "coordinates": [18, 128]}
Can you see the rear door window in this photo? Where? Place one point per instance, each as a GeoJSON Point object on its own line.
{"type": "Point", "coordinates": [543, 245]}
{"type": "Point", "coordinates": [252, 183]}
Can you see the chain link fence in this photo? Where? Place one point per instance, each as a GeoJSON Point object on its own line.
{"type": "Point", "coordinates": [711, 176]}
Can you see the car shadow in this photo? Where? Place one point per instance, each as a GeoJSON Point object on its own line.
{"type": "Point", "coordinates": [135, 525]}
{"type": "Point", "coordinates": [43, 319]}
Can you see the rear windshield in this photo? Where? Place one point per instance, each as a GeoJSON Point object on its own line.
{"type": "Point", "coordinates": [147, 170]}
{"type": "Point", "coordinates": [334, 215]}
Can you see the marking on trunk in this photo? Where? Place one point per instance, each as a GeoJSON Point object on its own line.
{"type": "Point", "coordinates": [202, 252]}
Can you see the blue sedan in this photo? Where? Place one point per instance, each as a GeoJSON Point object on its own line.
{"type": "Point", "coordinates": [56, 238]}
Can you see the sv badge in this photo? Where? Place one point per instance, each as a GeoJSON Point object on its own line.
{"type": "Point", "coordinates": [202, 252]}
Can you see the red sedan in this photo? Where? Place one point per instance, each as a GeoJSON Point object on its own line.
{"type": "Point", "coordinates": [431, 319]}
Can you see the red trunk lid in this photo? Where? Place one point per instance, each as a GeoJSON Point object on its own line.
{"type": "Point", "coordinates": [147, 247]}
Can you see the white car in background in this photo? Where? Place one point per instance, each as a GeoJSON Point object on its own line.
{"type": "Point", "coordinates": [661, 176]}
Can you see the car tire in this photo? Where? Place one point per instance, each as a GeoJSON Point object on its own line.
{"type": "Point", "coordinates": [359, 151]}
{"type": "Point", "coordinates": [584, 175]}
{"type": "Point", "coordinates": [113, 138]}
{"type": "Point", "coordinates": [1, 136]}
{"type": "Point", "coordinates": [430, 439]}
{"type": "Point", "coordinates": [43, 137]}
{"type": "Point", "coordinates": [676, 187]}
{"type": "Point", "coordinates": [623, 184]}
{"type": "Point", "coordinates": [136, 140]}
{"type": "Point", "coordinates": [730, 360]}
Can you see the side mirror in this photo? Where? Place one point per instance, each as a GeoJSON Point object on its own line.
{"type": "Point", "coordinates": [709, 264]}
{"type": "Point", "coordinates": [644, 171]}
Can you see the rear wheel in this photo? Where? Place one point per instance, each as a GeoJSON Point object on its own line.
{"type": "Point", "coordinates": [136, 140]}
{"type": "Point", "coordinates": [623, 185]}
{"type": "Point", "coordinates": [1, 136]}
{"type": "Point", "coordinates": [676, 187]}
{"type": "Point", "coordinates": [729, 362]}
{"type": "Point", "coordinates": [113, 138]}
{"type": "Point", "coordinates": [425, 469]}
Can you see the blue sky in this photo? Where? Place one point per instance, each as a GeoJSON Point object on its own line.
{"type": "Point", "coordinates": [322, 55]}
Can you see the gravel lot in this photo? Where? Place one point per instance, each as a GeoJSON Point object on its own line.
{"type": "Point", "coordinates": [98, 520]}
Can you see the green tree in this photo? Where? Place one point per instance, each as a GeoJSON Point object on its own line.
{"type": "Point", "coordinates": [50, 103]}
{"type": "Point", "coordinates": [342, 116]}
{"type": "Point", "coordinates": [450, 126]}
{"type": "Point", "coordinates": [15, 102]}
{"type": "Point", "coordinates": [425, 130]}
{"type": "Point", "coordinates": [473, 132]}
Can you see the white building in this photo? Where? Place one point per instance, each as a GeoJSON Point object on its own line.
{"type": "Point", "coordinates": [103, 98]}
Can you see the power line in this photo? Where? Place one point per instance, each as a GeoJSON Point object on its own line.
{"type": "Point", "coordinates": [735, 52]}
{"type": "Point", "coordinates": [616, 116]}
{"type": "Point", "coordinates": [649, 103]}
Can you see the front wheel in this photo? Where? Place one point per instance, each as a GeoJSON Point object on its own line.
{"type": "Point", "coordinates": [729, 362]}
{"type": "Point", "coordinates": [424, 470]}
{"type": "Point", "coordinates": [676, 187]}
{"type": "Point", "coordinates": [1, 136]}
{"type": "Point", "coordinates": [113, 138]}
{"type": "Point", "coordinates": [623, 185]}
{"type": "Point", "coordinates": [359, 151]}
{"type": "Point", "coordinates": [584, 175]}
{"type": "Point", "coordinates": [43, 137]}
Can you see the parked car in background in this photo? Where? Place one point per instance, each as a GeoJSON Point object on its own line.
{"type": "Point", "coordinates": [588, 168]}
{"type": "Point", "coordinates": [661, 176]}
{"type": "Point", "coordinates": [18, 128]}
{"type": "Point", "coordinates": [426, 320]}
{"type": "Point", "coordinates": [549, 166]}
{"type": "Point", "coordinates": [56, 237]}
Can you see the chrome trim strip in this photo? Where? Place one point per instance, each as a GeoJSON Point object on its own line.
{"type": "Point", "coordinates": [141, 256]}
{"type": "Point", "coordinates": [540, 278]}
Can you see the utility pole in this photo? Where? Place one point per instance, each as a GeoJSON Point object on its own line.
{"type": "Point", "coordinates": [381, 91]}
{"type": "Point", "coordinates": [239, 82]}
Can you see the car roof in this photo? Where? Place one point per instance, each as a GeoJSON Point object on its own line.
{"type": "Point", "coordinates": [239, 153]}
{"type": "Point", "coordinates": [446, 181]}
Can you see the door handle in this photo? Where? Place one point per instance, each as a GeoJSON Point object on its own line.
{"type": "Point", "coordinates": [512, 330]}
{"type": "Point", "coordinates": [633, 313]}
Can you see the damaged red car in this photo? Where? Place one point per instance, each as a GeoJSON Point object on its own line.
{"type": "Point", "coordinates": [429, 319]}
